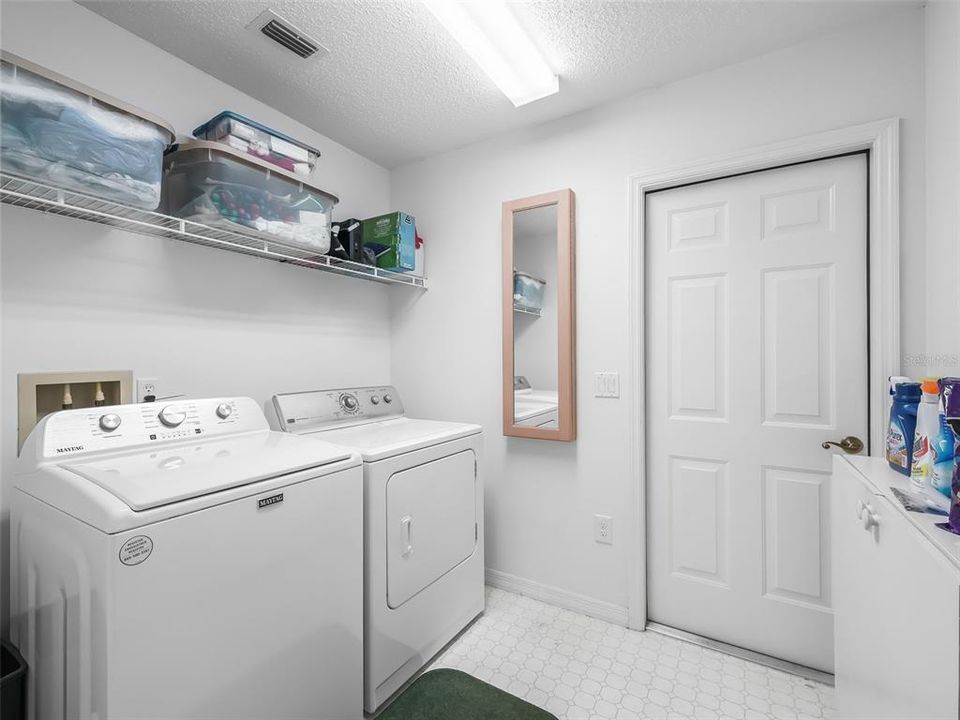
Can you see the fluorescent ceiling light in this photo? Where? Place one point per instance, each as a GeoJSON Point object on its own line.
{"type": "Point", "coordinates": [492, 36]}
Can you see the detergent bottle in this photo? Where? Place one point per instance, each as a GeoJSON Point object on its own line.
{"type": "Point", "coordinates": [944, 449]}
{"type": "Point", "coordinates": [925, 435]}
{"type": "Point", "coordinates": [903, 424]}
{"type": "Point", "coordinates": [950, 388]}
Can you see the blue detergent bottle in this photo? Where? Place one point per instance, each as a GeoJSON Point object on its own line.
{"type": "Point", "coordinates": [903, 424]}
{"type": "Point", "coordinates": [941, 477]}
{"type": "Point", "coordinates": [950, 391]}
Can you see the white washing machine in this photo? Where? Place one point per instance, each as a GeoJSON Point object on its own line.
{"type": "Point", "coordinates": [423, 524]}
{"type": "Point", "coordinates": [185, 561]}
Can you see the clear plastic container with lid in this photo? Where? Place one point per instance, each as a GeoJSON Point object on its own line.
{"type": "Point", "coordinates": [58, 132]}
{"type": "Point", "coordinates": [248, 136]}
{"type": "Point", "coordinates": [218, 186]}
{"type": "Point", "coordinates": [527, 291]}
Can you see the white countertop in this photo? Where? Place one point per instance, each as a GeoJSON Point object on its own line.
{"type": "Point", "coordinates": [881, 477]}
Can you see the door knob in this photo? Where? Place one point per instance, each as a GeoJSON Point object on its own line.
{"type": "Point", "coordinates": [849, 444]}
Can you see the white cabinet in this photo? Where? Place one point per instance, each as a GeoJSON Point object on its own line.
{"type": "Point", "coordinates": [896, 583]}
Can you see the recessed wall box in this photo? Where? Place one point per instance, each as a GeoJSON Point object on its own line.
{"type": "Point", "coordinates": [39, 394]}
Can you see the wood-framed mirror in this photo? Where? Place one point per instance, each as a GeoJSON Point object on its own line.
{"type": "Point", "coordinates": [539, 346]}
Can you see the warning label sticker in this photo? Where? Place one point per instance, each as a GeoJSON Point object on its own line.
{"type": "Point", "coordinates": [135, 550]}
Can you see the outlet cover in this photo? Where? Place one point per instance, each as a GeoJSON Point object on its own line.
{"type": "Point", "coordinates": [145, 387]}
{"type": "Point", "coordinates": [603, 529]}
{"type": "Point", "coordinates": [606, 384]}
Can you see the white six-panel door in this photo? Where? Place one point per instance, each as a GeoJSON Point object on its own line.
{"type": "Point", "coordinates": [756, 354]}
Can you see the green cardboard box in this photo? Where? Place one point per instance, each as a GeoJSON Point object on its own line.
{"type": "Point", "coordinates": [393, 237]}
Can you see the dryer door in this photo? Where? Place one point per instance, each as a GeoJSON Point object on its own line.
{"type": "Point", "coordinates": [431, 523]}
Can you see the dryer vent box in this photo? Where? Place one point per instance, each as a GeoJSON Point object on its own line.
{"type": "Point", "coordinates": [39, 394]}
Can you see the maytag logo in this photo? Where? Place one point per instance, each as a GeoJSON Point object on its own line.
{"type": "Point", "coordinates": [268, 501]}
{"type": "Point", "coordinates": [72, 448]}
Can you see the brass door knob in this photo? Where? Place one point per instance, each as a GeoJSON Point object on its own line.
{"type": "Point", "coordinates": [850, 444]}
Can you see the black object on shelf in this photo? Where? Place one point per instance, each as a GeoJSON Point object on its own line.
{"type": "Point", "coordinates": [13, 683]}
{"type": "Point", "coordinates": [346, 241]}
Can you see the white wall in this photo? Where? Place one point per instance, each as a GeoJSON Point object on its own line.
{"type": "Point", "coordinates": [942, 271]}
{"type": "Point", "coordinates": [205, 322]}
{"type": "Point", "coordinates": [541, 496]}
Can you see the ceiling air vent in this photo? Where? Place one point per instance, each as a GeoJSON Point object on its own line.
{"type": "Point", "coordinates": [285, 33]}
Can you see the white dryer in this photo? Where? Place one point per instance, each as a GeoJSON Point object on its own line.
{"type": "Point", "coordinates": [423, 524]}
{"type": "Point", "coordinates": [185, 561]}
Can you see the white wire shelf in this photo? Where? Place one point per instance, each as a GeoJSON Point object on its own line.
{"type": "Point", "coordinates": [35, 196]}
{"type": "Point", "coordinates": [526, 311]}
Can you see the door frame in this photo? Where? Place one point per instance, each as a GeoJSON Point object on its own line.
{"type": "Point", "coordinates": [881, 140]}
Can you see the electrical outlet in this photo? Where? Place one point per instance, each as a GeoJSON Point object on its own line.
{"type": "Point", "coordinates": [603, 529]}
{"type": "Point", "coordinates": [146, 387]}
{"type": "Point", "coordinates": [606, 384]}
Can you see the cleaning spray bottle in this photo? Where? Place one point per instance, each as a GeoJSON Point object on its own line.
{"type": "Point", "coordinates": [944, 449]}
{"type": "Point", "coordinates": [903, 423]}
{"type": "Point", "coordinates": [950, 388]}
{"type": "Point", "coordinates": [925, 435]}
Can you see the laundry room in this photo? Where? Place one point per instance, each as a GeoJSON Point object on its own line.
{"type": "Point", "coordinates": [423, 359]}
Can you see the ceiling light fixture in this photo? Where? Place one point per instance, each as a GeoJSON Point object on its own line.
{"type": "Point", "coordinates": [492, 36]}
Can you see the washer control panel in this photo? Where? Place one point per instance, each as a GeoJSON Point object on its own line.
{"type": "Point", "coordinates": [325, 409]}
{"type": "Point", "coordinates": [72, 432]}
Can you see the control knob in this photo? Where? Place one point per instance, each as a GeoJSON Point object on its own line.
{"type": "Point", "coordinates": [388, 398]}
{"type": "Point", "coordinates": [224, 410]}
{"type": "Point", "coordinates": [109, 422]}
{"type": "Point", "coordinates": [375, 399]}
{"type": "Point", "coordinates": [172, 416]}
{"type": "Point", "coordinates": [349, 402]}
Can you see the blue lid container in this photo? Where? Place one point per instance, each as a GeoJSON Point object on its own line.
{"type": "Point", "coordinates": [246, 135]}
{"type": "Point", "coordinates": [903, 425]}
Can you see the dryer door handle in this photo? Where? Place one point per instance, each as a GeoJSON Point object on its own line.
{"type": "Point", "coordinates": [405, 533]}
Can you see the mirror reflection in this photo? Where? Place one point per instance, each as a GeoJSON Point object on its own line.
{"type": "Point", "coordinates": [535, 325]}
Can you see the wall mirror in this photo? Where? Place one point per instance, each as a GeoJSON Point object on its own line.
{"type": "Point", "coordinates": [538, 317]}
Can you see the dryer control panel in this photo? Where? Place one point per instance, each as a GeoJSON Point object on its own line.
{"type": "Point", "coordinates": [337, 407]}
{"type": "Point", "coordinates": [73, 432]}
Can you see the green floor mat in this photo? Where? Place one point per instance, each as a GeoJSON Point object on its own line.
{"type": "Point", "coordinates": [446, 694]}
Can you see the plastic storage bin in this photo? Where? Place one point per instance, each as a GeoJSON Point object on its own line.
{"type": "Point", "coordinates": [527, 291]}
{"type": "Point", "coordinates": [221, 187]}
{"type": "Point", "coordinates": [249, 136]}
{"type": "Point", "coordinates": [64, 134]}
{"type": "Point", "coordinates": [13, 682]}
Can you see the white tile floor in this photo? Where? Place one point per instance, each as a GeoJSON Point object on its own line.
{"type": "Point", "coordinates": [579, 667]}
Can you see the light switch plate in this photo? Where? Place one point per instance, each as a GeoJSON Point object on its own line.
{"type": "Point", "coordinates": [606, 384]}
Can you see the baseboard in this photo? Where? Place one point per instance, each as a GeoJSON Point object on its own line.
{"type": "Point", "coordinates": [565, 599]}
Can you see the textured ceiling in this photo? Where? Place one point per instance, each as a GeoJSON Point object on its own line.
{"type": "Point", "coordinates": [396, 87]}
